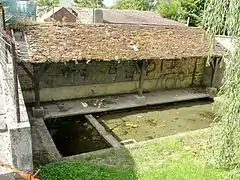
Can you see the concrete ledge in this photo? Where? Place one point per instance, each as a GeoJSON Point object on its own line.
{"type": "Point", "coordinates": [44, 149]}
{"type": "Point", "coordinates": [21, 147]}
{"type": "Point", "coordinates": [119, 102]}
{"type": "Point", "coordinates": [203, 134]}
{"type": "Point", "coordinates": [107, 136]}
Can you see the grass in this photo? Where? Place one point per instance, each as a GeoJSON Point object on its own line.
{"type": "Point", "coordinates": [179, 159]}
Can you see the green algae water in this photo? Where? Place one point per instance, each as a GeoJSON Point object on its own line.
{"type": "Point", "coordinates": [159, 121]}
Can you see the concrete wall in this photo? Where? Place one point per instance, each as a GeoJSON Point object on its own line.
{"type": "Point", "coordinates": [218, 79]}
{"type": "Point", "coordinates": [15, 144]}
{"type": "Point", "coordinates": [89, 15]}
{"type": "Point", "coordinates": [80, 80]}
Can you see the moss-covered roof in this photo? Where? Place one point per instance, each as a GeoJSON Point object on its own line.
{"type": "Point", "coordinates": [74, 42]}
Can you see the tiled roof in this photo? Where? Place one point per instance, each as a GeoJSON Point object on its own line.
{"type": "Point", "coordinates": [72, 42]}
{"type": "Point", "coordinates": [115, 16]}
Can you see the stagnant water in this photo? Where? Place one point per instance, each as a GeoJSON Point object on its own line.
{"type": "Point", "coordinates": [158, 122]}
{"type": "Point", "coordinates": [75, 135]}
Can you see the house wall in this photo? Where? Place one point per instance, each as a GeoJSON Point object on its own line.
{"type": "Point", "coordinates": [89, 15]}
{"type": "Point", "coordinates": [219, 76]}
{"type": "Point", "coordinates": [80, 80]}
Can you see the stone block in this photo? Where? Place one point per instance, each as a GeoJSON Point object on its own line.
{"type": "Point", "coordinates": [21, 148]}
{"type": "Point", "coordinates": [38, 113]}
{"type": "Point", "coordinates": [140, 99]}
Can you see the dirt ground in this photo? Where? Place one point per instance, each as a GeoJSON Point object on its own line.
{"type": "Point", "coordinates": [164, 121]}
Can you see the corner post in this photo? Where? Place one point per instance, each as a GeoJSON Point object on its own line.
{"type": "Point", "coordinates": [142, 67]}
{"type": "Point", "coordinates": [214, 65]}
{"type": "Point", "coordinates": [36, 81]}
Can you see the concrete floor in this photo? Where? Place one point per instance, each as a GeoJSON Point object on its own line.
{"type": "Point", "coordinates": [110, 103]}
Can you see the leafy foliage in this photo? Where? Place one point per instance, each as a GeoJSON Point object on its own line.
{"type": "Point", "coordinates": [169, 9]}
{"type": "Point", "coordinates": [220, 17]}
{"type": "Point", "coordinates": [143, 5]}
{"type": "Point", "coordinates": [47, 4]}
{"type": "Point", "coordinates": [182, 10]}
{"type": "Point", "coordinates": [89, 3]}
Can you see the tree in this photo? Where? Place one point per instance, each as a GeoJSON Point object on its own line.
{"type": "Point", "coordinates": [182, 10]}
{"type": "Point", "coordinates": [219, 17]}
{"type": "Point", "coordinates": [142, 5]}
{"type": "Point", "coordinates": [169, 9]}
{"type": "Point", "coordinates": [47, 5]}
{"type": "Point", "coordinates": [89, 3]}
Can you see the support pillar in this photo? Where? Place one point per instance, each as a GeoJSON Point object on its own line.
{"type": "Point", "coordinates": [214, 64]}
{"type": "Point", "coordinates": [142, 67]}
{"type": "Point", "coordinates": [38, 70]}
{"type": "Point", "coordinates": [36, 86]}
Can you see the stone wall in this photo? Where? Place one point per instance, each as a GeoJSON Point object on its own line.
{"type": "Point", "coordinates": [71, 81]}
{"type": "Point", "coordinates": [178, 73]}
{"type": "Point", "coordinates": [15, 144]}
{"type": "Point", "coordinates": [89, 15]}
{"type": "Point", "coordinates": [219, 76]}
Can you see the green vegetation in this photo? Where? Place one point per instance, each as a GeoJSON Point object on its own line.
{"type": "Point", "coordinates": [47, 4]}
{"type": "Point", "coordinates": [179, 158]}
{"type": "Point", "coordinates": [143, 5]}
{"type": "Point", "coordinates": [89, 3]}
{"type": "Point", "coordinates": [181, 10]}
{"type": "Point", "coordinates": [220, 17]}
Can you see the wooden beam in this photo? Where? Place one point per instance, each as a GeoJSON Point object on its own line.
{"type": "Point", "coordinates": [143, 68]}
{"type": "Point", "coordinates": [29, 74]}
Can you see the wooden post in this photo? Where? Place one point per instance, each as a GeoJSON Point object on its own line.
{"type": "Point", "coordinates": [38, 70]}
{"type": "Point", "coordinates": [142, 65]}
{"type": "Point", "coordinates": [214, 65]}
{"type": "Point", "coordinates": [36, 86]}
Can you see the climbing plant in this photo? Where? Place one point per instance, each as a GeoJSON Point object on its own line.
{"type": "Point", "coordinates": [221, 16]}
